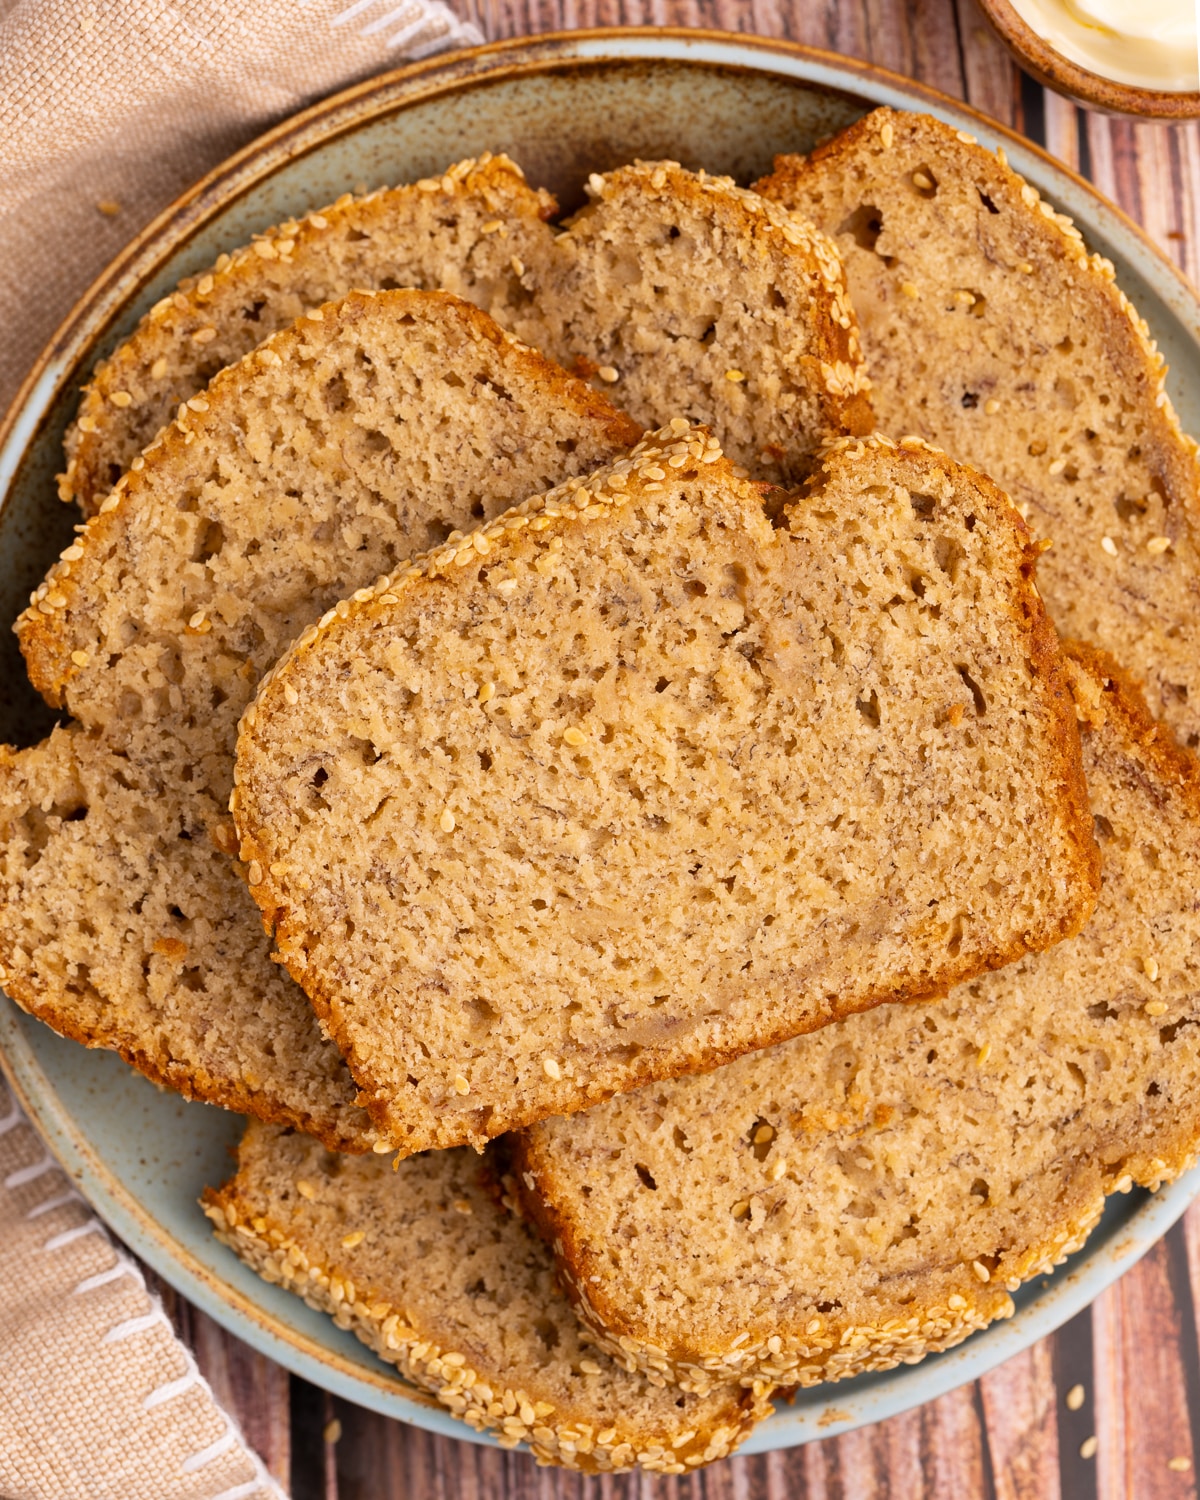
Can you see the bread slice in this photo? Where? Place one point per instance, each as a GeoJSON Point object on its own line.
{"type": "Point", "coordinates": [872, 1193]}
{"type": "Point", "coordinates": [693, 297]}
{"type": "Point", "coordinates": [990, 331]}
{"type": "Point", "coordinates": [674, 291]}
{"type": "Point", "coordinates": [370, 429]}
{"type": "Point", "coordinates": [430, 1270]}
{"type": "Point", "coordinates": [640, 777]}
{"type": "Point", "coordinates": [468, 232]}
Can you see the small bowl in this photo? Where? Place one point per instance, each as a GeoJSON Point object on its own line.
{"type": "Point", "coordinates": [1094, 90]}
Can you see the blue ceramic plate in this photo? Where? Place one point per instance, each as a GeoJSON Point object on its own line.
{"type": "Point", "coordinates": [562, 106]}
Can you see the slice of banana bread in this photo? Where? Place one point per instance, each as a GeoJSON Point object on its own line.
{"type": "Point", "coordinates": [642, 776]}
{"type": "Point", "coordinates": [468, 231]}
{"type": "Point", "coordinates": [369, 430]}
{"type": "Point", "coordinates": [874, 1192]}
{"type": "Point", "coordinates": [690, 296]}
{"type": "Point", "coordinates": [990, 331]}
{"type": "Point", "coordinates": [431, 1270]}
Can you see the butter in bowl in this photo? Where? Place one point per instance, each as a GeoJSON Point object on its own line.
{"type": "Point", "coordinates": [1135, 57]}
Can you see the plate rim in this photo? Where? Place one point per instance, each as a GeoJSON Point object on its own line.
{"type": "Point", "coordinates": [87, 323]}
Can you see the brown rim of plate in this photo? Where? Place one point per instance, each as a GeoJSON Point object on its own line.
{"type": "Point", "coordinates": [74, 341]}
{"type": "Point", "coordinates": [1050, 68]}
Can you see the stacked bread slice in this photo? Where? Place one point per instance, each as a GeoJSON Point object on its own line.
{"type": "Point", "coordinates": [611, 792]}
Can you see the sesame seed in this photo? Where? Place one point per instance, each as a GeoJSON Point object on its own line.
{"type": "Point", "coordinates": [487, 692]}
{"type": "Point", "coordinates": [609, 374]}
{"type": "Point", "coordinates": [779, 1169]}
{"type": "Point", "coordinates": [461, 1086]}
{"type": "Point", "coordinates": [1158, 544]}
{"type": "Point", "coordinates": [574, 736]}
{"type": "Point", "coordinates": [909, 289]}
{"type": "Point", "coordinates": [922, 180]}
{"type": "Point", "coordinates": [981, 1271]}
{"type": "Point", "coordinates": [983, 1054]}
{"type": "Point", "coordinates": [332, 1431]}
{"type": "Point", "coordinates": [80, 658]}
{"type": "Point", "coordinates": [1058, 466]}
{"type": "Point", "coordinates": [967, 140]}
{"type": "Point", "coordinates": [518, 265]}
{"type": "Point", "coordinates": [380, 1148]}
{"type": "Point", "coordinates": [1087, 1449]}
{"type": "Point", "coordinates": [446, 821]}
{"type": "Point", "coordinates": [318, 221]}
{"type": "Point", "coordinates": [196, 620]}
{"type": "Point", "coordinates": [955, 1302]}
{"type": "Point", "coordinates": [590, 1367]}
{"type": "Point", "coordinates": [887, 134]}
{"type": "Point", "coordinates": [109, 207]}
{"type": "Point", "coordinates": [264, 249]}
{"type": "Point", "coordinates": [290, 693]}
{"type": "Point", "coordinates": [159, 368]}
{"type": "Point", "coordinates": [1180, 1465]}
{"type": "Point", "coordinates": [204, 335]}
{"type": "Point", "coordinates": [306, 1189]}
{"type": "Point", "coordinates": [551, 1068]}
{"type": "Point", "coordinates": [991, 406]}
{"type": "Point", "coordinates": [121, 398]}
{"type": "Point", "coordinates": [491, 226]}
{"type": "Point", "coordinates": [1155, 1007]}
{"type": "Point", "coordinates": [1024, 267]}
{"type": "Point", "coordinates": [1150, 966]}
{"type": "Point", "coordinates": [1109, 545]}
{"type": "Point", "coordinates": [736, 376]}
{"type": "Point", "coordinates": [254, 875]}
{"type": "Point", "coordinates": [351, 1240]}
{"type": "Point", "coordinates": [1075, 1397]}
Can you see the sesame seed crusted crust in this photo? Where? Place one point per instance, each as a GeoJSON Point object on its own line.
{"type": "Point", "coordinates": [872, 1193]}
{"type": "Point", "coordinates": [989, 329]}
{"type": "Point", "coordinates": [460, 232]}
{"type": "Point", "coordinates": [473, 1317]}
{"type": "Point", "coordinates": [452, 1023]}
{"type": "Point", "coordinates": [299, 473]}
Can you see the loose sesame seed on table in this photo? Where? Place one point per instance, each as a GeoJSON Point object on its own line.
{"type": "Point", "coordinates": [1110, 1405]}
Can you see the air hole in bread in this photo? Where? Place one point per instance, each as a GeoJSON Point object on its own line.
{"type": "Point", "coordinates": [646, 1179]}
{"type": "Point", "coordinates": [865, 224]}
{"type": "Point", "coordinates": [974, 689]}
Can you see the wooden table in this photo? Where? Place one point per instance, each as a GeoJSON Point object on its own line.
{"type": "Point", "coordinates": [1136, 1352]}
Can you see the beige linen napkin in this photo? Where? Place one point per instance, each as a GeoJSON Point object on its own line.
{"type": "Point", "coordinates": [98, 1398]}
{"type": "Point", "coordinates": [108, 109]}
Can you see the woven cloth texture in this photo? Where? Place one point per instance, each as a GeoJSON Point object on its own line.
{"type": "Point", "coordinates": [98, 1398]}
{"type": "Point", "coordinates": [108, 109]}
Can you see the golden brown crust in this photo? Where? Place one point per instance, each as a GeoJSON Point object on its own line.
{"type": "Point", "coordinates": [94, 441]}
{"type": "Point", "coordinates": [44, 628]}
{"type": "Point", "coordinates": [555, 513]}
{"type": "Point", "coordinates": [569, 1438]}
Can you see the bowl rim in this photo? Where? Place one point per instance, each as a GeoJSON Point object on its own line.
{"type": "Point", "coordinates": [90, 320]}
{"type": "Point", "coordinates": [1055, 71]}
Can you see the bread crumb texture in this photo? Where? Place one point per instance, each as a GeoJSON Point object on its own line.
{"type": "Point", "coordinates": [430, 1268]}
{"type": "Point", "coordinates": [990, 330]}
{"type": "Point", "coordinates": [872, 1193]}
{"type": "Point", "coordinates": [647, 773]}
{"type": "Point", "coordinates": [317, 463]}
{"type": "Point", "coordinates": [665, 286]}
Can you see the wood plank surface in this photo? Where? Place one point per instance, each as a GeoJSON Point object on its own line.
{"type": "Point", "coordinates": [1132, 1429]}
